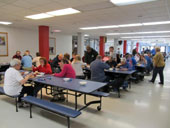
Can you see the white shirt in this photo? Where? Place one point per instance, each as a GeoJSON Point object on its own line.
{"type": "Point", "coordinates": [37, 61]}
{"type": "Point", "coordinates": [112, 54]}
{"type": "Point", "coordinates": [12, 85]}
{"type": "Point", "coordinates": [77, 66]}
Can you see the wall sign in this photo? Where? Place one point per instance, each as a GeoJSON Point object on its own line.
{"type": "Point", "coordinates": [3, 44]}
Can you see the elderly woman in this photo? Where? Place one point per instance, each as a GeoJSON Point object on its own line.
{"type": "Point", "coordinates": [159, 64]}
{"type": "Point", "coordinates": [14, 81]}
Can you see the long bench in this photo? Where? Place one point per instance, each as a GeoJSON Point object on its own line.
{"type": "Point", "coordinates": [52, 107]}
{"type": "Point", "coordinates": [15, 97]}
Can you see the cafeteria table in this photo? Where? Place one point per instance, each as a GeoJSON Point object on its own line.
{"type": "Point", "coordinates": [72, 85]}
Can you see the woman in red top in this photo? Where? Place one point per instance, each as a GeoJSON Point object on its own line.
{"type": "Point", "coordinates": [44, 66]}
{"type": "Point", "coordinates": [66, 70]}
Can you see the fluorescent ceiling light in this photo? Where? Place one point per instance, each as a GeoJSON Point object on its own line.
{"type": "Point", "coordinates": [62, 12]}
{"type": "Point", "coordinates": [132, 33]}
{"type": "Point", "coordinates": [126, 25]}
{"type": "Point", "coordinates": [86, 35]}
{"type": "Point", "coordinates": [157, 23]}
{"type": "Point", "coordinates": [130, 25]}
{"type": "Point", "coordinates": [128, 37]}
{"type": "Point", "coordinates": [56, 30]}
{"type": "Point", "coordinates": [128, 2]}
{"type": "Point", "coordinates": [99, 27]}
{"type": "Point", "coordinates": [39, 16]}
{"type": "Point", "coordinates": [5, 23]}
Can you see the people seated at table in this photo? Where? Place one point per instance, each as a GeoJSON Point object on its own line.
{"type": "Point", "coordinates": [124, 65]}
{"type": "Point", "coordinates": [149, 65]}
{"type": "Point", "coordinates": [90, 55]}
{"type": "Point", "coordinates": [67, 56]}
{"type": "Point", "coordinates": [137, 57]}
{"type": "Point", "coordinates": [67, 71]}
{"type": "Point", "coordinates": [17, 55]}
{"type": "Point", "coordinates": [97, 68]}
{"type": "Point", "coordinates": [26, 62]}
{"type": "Point", "coordinates": [142, 60]}
{"type": "Point", "coordinates": [78, 65]}
{"type": "Point", "coordinates": [43, 68]}
{"type": "Point", "coordinates": [36, 60]}
{"type": "Point", "coordinates": [28, 51]}
{"type": "Point", "coordinates": [111, 62]}
{"type": "Point", "coordinates": [55, 63]}
{"type": "Point", "coordinates": [118, 58]}
{"type": "Point", "coordinates": [159, 64]}
{"type": "Point", "coordinates": [153, 51]}
{"type": "Point", "coordinates": [73, 56]}
{"type": "Point", "coordinates": [131, 60]}
{"type": "Point", "coordinates": [14, 81]}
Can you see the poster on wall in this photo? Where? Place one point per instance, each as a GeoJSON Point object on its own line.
{"type": "Point", "coordinates": [52, 46]}
{"type": "Point", "coordinates": [3, 44]}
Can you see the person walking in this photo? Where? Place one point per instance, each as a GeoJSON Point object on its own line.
{"type": "Point", "coordinates": [159, 64]}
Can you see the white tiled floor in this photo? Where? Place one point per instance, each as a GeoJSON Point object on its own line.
{"type": "Point", "coordinates": [146, 105]}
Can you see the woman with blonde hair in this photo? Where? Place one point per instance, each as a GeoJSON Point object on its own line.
{"type": "Point", "coordinates": [77, 65]}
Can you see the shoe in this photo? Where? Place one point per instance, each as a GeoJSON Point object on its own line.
{"type": "Point", "coordinates": [151, 81]}
{"type": "Point", "coordinates": [23, 105]}
{"type": "Point", "coordinates": [160, 83]}
{"type": "Point", "coordinates": [62, 98]}
{"type": "Point", "coordinates": [55, 99]}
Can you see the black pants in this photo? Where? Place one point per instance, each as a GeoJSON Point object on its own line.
{"type": "Point", "coordinates": [29, 90]}
{"type": "Point", "coordinates": [157, 70]}
{"type": "Point", "coordinates": [37, 88]}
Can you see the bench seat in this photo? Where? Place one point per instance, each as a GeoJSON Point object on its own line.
{"type": "Point", "coordinates": [52, 107]}
{"type": "Point", "coordinates": [100, 94]}
{"type": "Point", "coordinates": [3, 93]}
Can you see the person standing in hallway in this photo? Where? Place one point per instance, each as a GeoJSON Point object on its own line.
{"type": "Point", "coordinates": [90, 55]}
{"type": "Point", "coordinates": [159, 64]}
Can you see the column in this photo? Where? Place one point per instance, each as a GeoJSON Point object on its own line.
{"type": "Point", "coordinates": [44, 41]}
{"type": "Point", "coordinates": [124, 47]}
{"type": "Point", "coordinates": [137, 47]}
{"type": "Point", "coordinates": [115, 45]}
{"type": "Point", "coordinates": [80, 44]}
{"type": "Point", "coordinates": [132, 43]}
{"type": "Point", "coordinates": [102, 46]}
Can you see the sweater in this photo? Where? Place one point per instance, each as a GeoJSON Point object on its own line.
{"type": "Point", "coordinates": [158, 60]}
{"type": "Point", "coordinates": [45, 69]}
{"type": "Point", "coordinates": [67, 72]}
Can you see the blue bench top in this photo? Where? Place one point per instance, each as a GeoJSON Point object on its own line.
{"type": "Point", "coordinates": [73, 84]}
{"type": "Point", "coordinates": [121, 72]}
{"type": "Point", "coordinates": [2, 92]}
{"type": "Point", "coordinates": [68, 112]}
{"type": "Point", "coordinates": [97, 93]}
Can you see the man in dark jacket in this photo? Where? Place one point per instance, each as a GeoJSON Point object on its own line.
{"type": "Point", "coordinates": [90, 55]}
